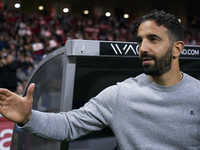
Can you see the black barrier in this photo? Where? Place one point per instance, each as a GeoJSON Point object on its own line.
{"type": "Point", "coordinates": [131, 49]}
{"type": "Point", "coordinates": [68, 77]}
{"type": "Point", "coordinates": [191, 51]}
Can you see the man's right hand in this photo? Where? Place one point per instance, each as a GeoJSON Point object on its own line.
{"type": "Point", "coordinates": [16, 108]}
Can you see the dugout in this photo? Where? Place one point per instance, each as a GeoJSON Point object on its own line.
{"type": "Point", "coordinates": [69, 76]}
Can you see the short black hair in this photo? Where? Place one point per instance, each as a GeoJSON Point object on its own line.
{"type": "Point", "coordinates": [169, 21]}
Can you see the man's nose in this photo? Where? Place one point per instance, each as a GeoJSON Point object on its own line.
{"type": "Point", "coordinates": [144, 46]}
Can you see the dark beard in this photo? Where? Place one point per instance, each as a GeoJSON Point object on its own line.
{"type": "Point", "coordinates": [161, 66]}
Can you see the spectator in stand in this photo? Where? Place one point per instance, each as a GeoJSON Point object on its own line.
{"type": "Point", "coordinates": [2, 42]}
{"type": "Point", "coordinates": [38, 48]}
{"type": "Point", "coordinates": [2, 62]}
{"type": "Point", "coordinates": [24, 83]}
{"type": "Point", "coordinates": [25, 66]}
{"type": "Point", "coordinates": [8, 72]}
{"type": "Point", "coordinates": [19, 90]}
{"type": "Point", "coordinates": [28, 65]}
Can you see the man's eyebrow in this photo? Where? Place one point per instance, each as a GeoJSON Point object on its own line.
{"type": "Point", "coordinates": [139, 38]}
{"type": "Point", "coordinates": [154, 36]}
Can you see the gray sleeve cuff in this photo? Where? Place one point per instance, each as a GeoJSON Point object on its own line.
{"type": "Point", "coordinates": [31, 126]}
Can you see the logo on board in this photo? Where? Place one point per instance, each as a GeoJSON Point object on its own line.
{"type": "Point", "coordinates": [107, 48]}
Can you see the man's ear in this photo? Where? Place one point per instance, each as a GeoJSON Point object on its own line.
{"type": "Point", "coordinates": [177, 48]}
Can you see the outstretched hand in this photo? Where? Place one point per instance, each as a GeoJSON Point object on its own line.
{"type": "Point", "coordinates": [16, 108]}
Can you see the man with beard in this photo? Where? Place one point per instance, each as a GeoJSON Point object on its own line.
{"type": "Point", "coordinates": [151, 111]}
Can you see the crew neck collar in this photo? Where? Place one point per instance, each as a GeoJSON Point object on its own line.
{"type": "Point", "coordinates": [165, 88]}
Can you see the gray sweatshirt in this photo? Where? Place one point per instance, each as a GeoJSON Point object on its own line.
{"type": "Point", "coordinates": [142, 115]}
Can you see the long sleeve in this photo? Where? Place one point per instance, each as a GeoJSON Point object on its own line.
{"type": "Point", "coordinates": [93, 116]}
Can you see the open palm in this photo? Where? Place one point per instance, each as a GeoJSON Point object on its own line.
{"type": "Point", "coordinates": [16, 108]}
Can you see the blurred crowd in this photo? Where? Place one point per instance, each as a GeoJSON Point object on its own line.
{"type": "Point", "coordinates": [25, 39]}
